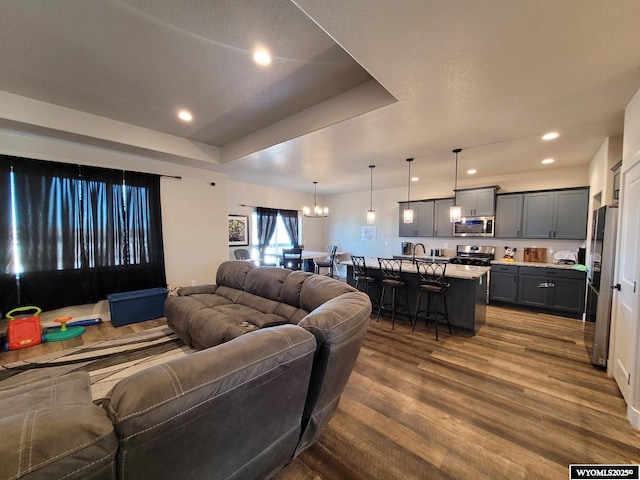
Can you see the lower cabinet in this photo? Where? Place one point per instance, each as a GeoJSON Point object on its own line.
{"type": "Point", "coordinates": [560, 290]}
{"type": "Point", "coordinates": [503, 285]}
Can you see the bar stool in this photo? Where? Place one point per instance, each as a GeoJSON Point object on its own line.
{"type": "Point", "coordinates": [361, 275]}
{"type": "Point", "coordinates": [391, 274]}
{"type": "Point", "coordinates": [432, 282]}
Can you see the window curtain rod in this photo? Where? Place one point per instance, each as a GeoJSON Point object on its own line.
{"type": "Point", "coordinates": [177, 177]}
{"type": "Point", "coordinates": [260, 206]}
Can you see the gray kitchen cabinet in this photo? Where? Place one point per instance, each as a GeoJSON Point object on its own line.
{"type": "Point", "coordinates": [503, 286]}
{"type": "Point", "coordinates": [560, 214]}
{"type": "Point", "coordinates": [556, 289]}
{"type": "Point", "coordinates": [508, 222]}
{"type": "Point", "coordinates": [537, 216]}
{"type": "Point", "coordinates": [533, 290]}
{"type": "Point", "coordinates": [477, 202]}
{"type": "Point", "coordinates": [442, 224]}
{"type": "Point", "coordinates": [422, 225]}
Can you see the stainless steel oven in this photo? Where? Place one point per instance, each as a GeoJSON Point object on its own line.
{"type": "Point", "coordinates": [474, 227]}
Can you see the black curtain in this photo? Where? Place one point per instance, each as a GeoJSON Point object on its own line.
{"type": "Point", "coordinates": [83, 232]}
{"type": "Point", "coordinates": [267, 218]}
{"type": "Point", "coordinates": [290, 218]}
{"type": "Point", "coordinates": [8, 291]}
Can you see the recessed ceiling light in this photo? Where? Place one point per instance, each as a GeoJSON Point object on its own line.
{"type": "Point", "coordinates": [550, 136]}
{"type": "Point", "coordinates": [472, 171]}
{"type": "Point", "coordinates": [546, 161]}
{"type": "Point", "coordinates": [185, 115]}
{"type": "Point", "coordinates": [415, 179]}
{"type": "Point", "coordinates": [261, 56]}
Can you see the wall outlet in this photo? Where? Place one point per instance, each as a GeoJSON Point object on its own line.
{"type": "Point", "coordinates": [193, 283]}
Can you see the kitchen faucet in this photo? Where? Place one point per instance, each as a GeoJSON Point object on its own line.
{"type": "Point", "coordinates": [424, 250]}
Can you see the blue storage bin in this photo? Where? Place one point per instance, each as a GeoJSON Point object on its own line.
{"type": "Point", "coordinates": [137, 306]}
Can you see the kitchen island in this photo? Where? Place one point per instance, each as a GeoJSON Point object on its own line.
{"type": "Point", "coordinates": [466, 298]}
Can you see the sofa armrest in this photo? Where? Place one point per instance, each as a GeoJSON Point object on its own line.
{"type": "Point", "coordinates": [235, 409]}
{"type": "Point", "coordinates": [197, 289]}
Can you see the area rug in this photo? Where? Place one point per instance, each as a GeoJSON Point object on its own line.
{"type": "Point", "coordinates": [107, 362]}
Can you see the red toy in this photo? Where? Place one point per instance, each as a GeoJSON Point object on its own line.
{"type": "Point", "coordinates": [25, 331]}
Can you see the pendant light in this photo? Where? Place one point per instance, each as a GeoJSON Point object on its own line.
{"type": "Point", "coordinates": [371, 213]}
{"type": "Point", "coordinates": [455, 212]}
{"type": "Point", "coordinates": [407, 216]}
{"type": "Point", "coordinates": [318, 212]}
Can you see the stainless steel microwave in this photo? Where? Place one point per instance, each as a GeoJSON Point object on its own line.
{"type": "Point", "coordinates": [474, 227]}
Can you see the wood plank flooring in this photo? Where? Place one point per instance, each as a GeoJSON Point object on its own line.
{"type": "Point", "coordinates": [520, 400]}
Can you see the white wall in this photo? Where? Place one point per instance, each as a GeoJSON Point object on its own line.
{"type": "Point", "coordinates": [194, 213]}
{"type": "Point", "coordinates": [312, 230]}
{"type": "Point", "coordinates": [349, 213]}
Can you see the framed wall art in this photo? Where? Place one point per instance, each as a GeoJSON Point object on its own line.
{"type": "Point", "coordinates": [238, 230]}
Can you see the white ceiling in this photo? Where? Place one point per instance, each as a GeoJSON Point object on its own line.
{"type": "Point", "coordinates": [352, 83]}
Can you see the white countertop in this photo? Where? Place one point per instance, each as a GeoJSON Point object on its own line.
{"type": "Point", "coordinates": [533, 264]}
{"type": "Point", "coordinates": [466, 272]}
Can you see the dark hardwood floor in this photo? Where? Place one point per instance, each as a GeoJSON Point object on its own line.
{"type": "Point", "coordinates": [520, 400]}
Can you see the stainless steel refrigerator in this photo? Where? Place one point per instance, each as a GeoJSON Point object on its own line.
{"type": "Point", "coordinates": [600, 283]}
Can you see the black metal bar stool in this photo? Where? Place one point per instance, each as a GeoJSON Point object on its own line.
{"type": "Point", "coordinates": [361, 275]}
{"type": "Point", "coordinates": [432, 282]}
{"type": "Point", "coordinates": [391, 275]}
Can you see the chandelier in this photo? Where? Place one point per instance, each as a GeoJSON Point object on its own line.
{"type": "Point", "coordinates": [317, 212]}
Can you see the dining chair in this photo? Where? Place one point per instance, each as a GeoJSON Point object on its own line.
{"type": "Point", "coordinates": [292, 258]}
{"type": "Point", "coordinates": [242, 254]}
{"type": "Point", "coordinates": [327, 263]}
{"type": "Point", "coordinates": [432, 282]}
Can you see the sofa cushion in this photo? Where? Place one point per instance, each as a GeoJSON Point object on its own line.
{"type": "Point", "coordinates": [256, 302]}
{"type": "Point", "coordinates": [293, 286]}
{"type": "Point", "coordinates": [266, 282]}
{"type": "Point", "coordinates": [71, 389]}
{"type": "Point", "coordinates": [181, 310]}
{"type": "Point", "coordinates": [294, 314]}
{"type": "Point", "coordinates": [51, 429]}
{"type": "Point", "coordinates": [319, 289]}
{"type": "Point", "coordinates": [232, 274]}
{"type": "Point", "coordinates": [263, 320]}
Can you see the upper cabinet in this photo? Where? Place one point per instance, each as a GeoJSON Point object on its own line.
{"type": "Point", "coordinates": [508, 222]}
{"type": "Point", "coordinates": [616, 183]}
{"type": "Point", "coordinates": [478, 202]}
{"type": "Point", "coordinates": [560, 214]}
{"type": "Point", "coordinates": [442, 223]}
{"type": "Point", "coordinates": [422, 225]}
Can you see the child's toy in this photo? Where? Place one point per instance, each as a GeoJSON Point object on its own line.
{"type": "Point", "coordinates": [25, 331]}
{"type": "Point", "coordinates": [64, 332]}
{"type": "Point", "coordinates": [509, 253]}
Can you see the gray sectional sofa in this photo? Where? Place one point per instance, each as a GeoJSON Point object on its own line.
{"type": "Point", "coordinates": [276, 349]}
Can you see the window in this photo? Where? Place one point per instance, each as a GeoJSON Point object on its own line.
{"type": "Point", "coordinates": [76, 233]}
{"type": "Point", "coordinates": [283, 236]}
